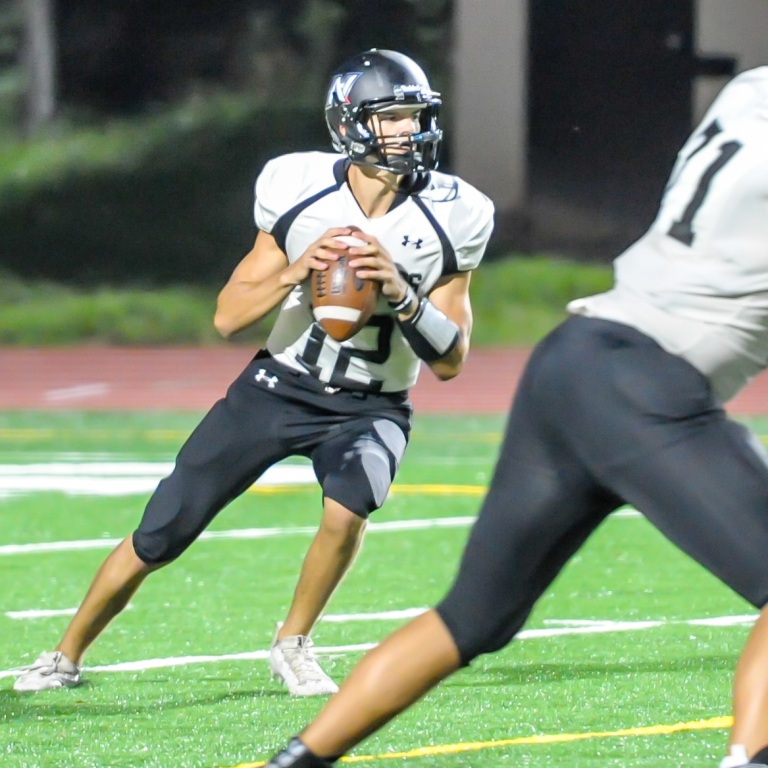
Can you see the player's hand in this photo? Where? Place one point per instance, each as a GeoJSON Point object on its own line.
{"type": "Point", "coordinates": [373, 262]}
{"type": "Point", "coordinates": [317, 256]}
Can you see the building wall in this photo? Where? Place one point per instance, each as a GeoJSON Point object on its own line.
{"type": "Point", "coordinates": [490, 106]}
{"type": "Point", "coordinates": [489, 136]}
{"type": "Point", "coordinates": [735, 29]}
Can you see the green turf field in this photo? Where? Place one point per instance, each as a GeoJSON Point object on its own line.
{"type": "Point", "coordinates": [613, 660]}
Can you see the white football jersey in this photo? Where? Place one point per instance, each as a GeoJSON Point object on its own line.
{"type": "Point", "coordinates": [440, 227]}
{"type": "Point", "coordinates": [697, 281]}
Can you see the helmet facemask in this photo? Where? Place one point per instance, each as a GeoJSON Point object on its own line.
{"type": "Point", "coordinates": [402, 154]}
{"type": "Point", "coordinates": [383, 83]}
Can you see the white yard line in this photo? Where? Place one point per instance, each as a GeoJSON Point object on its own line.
{"type": "Point", "coordinates": [118, 478]}
{"type": "Point", "coordinates": [40, 613]}
{"type": "Point", "coordinates": [343, 618]}
{"type": "Point", "coordinates": [242, 533]}
{"type": "Point", "coordinates": [333, 618]}
{"type": "Point", "coordinates": [46, 613]}
{"type": "Point", "coordinates": [253, 533]}
{"type": "Point", "coordinates": [588, 626]}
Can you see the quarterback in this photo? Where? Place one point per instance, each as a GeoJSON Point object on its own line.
{"type": "Point", "coordinates": [622, 403]}
{"type": "Point", "coordinates": [343, 404]}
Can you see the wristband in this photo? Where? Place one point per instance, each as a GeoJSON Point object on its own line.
{"type": "Point", "coordinates": [405, 302]}
{"type": "Point", "coordinates": [430, 332]}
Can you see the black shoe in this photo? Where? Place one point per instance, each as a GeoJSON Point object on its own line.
{"type": "Point", "coordinates": [298, 755]}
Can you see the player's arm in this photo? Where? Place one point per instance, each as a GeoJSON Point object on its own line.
{"type": "Point", "coordinates": [264, 277]}
{"type": "Point", "coordinates": [437, 327]}
{"type": "Point", "coordinates": [443, 320]}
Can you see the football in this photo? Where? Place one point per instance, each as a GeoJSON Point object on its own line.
{"type": "Point", "coordinates": [342, 303]}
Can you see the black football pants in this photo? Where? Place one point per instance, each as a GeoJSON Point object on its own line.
{"type": "Point", "coordinates": [355, 441]}
{"type": "Point", "coordinates": [604, 416]}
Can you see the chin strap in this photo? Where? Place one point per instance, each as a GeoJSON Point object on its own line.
{"type": "Point", "coordinates": [298, 755]}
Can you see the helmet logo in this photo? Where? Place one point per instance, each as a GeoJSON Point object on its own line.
{"type": "Point", "coordinates": [341, 87]}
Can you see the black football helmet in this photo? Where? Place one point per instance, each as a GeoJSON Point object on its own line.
{"type": "Point", "coordinates": [373, 81]}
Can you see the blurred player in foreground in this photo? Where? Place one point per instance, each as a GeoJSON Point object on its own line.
{"type": "Point", "coordinates": [622, 403]}
{"type": "Point", "coordinates": [345, 405]}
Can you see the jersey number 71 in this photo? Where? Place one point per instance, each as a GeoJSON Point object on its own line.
{"type": "Point", "coordinates": [682, 228]}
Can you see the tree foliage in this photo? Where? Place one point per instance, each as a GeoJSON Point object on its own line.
{"type": "Point", "coordinates": [120, 55]}
{"type": "Point", "coordinates": [166, 113]}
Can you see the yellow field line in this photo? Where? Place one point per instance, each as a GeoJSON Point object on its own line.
{"type": "Point", "coordinates": [31, 433]}
{"type": "Point", "coordinates": [170, 433]}
{"type": "Point", "coordinates": [268, 490]}
{"type": "Point", "coordinates": [440, 490]}
{"type": "Point", "coordinates": [544, 738]}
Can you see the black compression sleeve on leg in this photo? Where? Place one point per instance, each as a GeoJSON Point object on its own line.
{"type": "Point", "coordinates": [299, 755]}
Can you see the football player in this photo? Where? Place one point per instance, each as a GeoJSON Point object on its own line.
{"type": "Point", "coordinates": [622, 403]}
{"type": "Point", "coordinates": [345, 405]}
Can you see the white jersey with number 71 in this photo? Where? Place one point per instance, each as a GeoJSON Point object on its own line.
{"type": "Point", "coordinates": [697, 281]}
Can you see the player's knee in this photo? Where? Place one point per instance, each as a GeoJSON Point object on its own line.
{"type": "Point", "coordinates": [158, 547]}
{"type": "Point", "coordinates": [176, 514]}
{"type": "Point", "coordinates": [362, 485]}
{"type": "Point", "coordinates": [359, 501]}
{"type": "Point", "coordinates": [340, 522]}
{"type": "Point", "coordinates": [473, 640]}
{"type": "Point", "coordinates": [477, 630]}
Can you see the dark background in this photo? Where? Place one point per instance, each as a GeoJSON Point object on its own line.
{"type": "Point", "coordinates": [609, 102]}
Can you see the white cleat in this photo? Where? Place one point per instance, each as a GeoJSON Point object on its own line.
{"type": "Point", "coordinates": [291, 660]}
{"type": "Point", "coordinates": [737, 758]}
{"type": "Point", "coordinates": [51, 670]}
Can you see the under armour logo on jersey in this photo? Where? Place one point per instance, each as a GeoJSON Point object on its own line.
{"type": "Point", "coordinates": [415, 243]}
{"type": "Point", "coordinates": [262, 375]}
{"type": "Point", "coordinates": [341, 87]}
